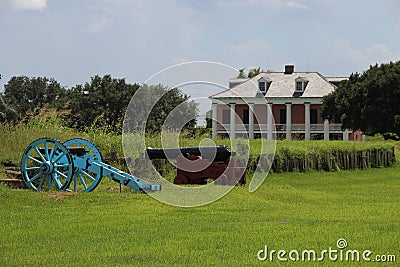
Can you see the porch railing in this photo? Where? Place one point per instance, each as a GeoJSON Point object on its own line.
{"type": "Point", "coordinates": [281, 128]}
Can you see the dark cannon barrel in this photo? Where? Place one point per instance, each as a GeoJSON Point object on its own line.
{"type": "Point", "coordinates": [213, 153]}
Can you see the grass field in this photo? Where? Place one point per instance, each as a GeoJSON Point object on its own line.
{"type": "Point", "coordinates": [293, 211]}
{"type": "Point", "coordinates": [290, 211]}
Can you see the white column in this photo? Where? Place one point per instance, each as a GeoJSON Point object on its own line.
{"type": "Point", "coordinates": [346, 135]}
{"type": "Point", "coordinates": [251, 120]}
{"type": "Point", "coordinates": [289, 121]}
{"type": "Point", "coordinates": [363, 137]}
{"type": "Point", "coordinates": [307, 121]}
{"type": "Point", "coordinates": [270, 122]}
{"type": "Point", "coordinates": [326, 130]}
{"type": "Point", "coordinates": [214, 118]}
{"type": "Point", "coordinates": [233, 121]}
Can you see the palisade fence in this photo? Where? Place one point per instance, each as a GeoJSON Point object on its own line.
{"type": "Point", "coordinates": [303, 156]}
{"type": "Point", "coordinates": [325, 156]}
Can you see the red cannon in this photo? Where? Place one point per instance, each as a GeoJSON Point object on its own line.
{"type": "Point", "coordinates": [195, 165]}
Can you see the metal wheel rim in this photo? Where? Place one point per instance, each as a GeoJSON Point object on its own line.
{"type": "Point", "coordinates": [47, 165]}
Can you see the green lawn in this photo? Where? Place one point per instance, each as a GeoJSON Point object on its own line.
{"type": "Point", "coordinates": [290, 211]}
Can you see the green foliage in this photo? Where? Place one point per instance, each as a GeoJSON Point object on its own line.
{"type": "Point", "coordinates": [23, 95]}
{"type": "Point", "coordinates": [16, 137]}
{"type": "Point", "coordinates": [252, 73]}
{"type": "Point", "coordinates": [369, 101]}
{"type": "Point", "coordinates": [101, 103]}
{"type": "Point", "coordinates": [169, 108]}
{"type": "Point", "coordinates": [26, 97]}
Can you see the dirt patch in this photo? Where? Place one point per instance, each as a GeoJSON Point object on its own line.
{"type": "Point", "coordinates": [61, 195]}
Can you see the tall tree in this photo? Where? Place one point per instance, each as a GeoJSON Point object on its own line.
{"type": "Point", "coordinates": [157, 106]}
{"type": "Point", "coordinates": [369, 101]}
{"type": "Point", "coordinates": [104, 100]}
{"type": "Point", "coordinates": [24, 94]}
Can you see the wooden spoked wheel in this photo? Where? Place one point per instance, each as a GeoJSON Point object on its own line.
{"type": "Point", "coordinates": [47, 165]}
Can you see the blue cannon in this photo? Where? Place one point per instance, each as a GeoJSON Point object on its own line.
{"type": "Point", "coordinates": [75, 165]}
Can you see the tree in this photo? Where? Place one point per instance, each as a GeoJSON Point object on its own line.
{"type": "Point", "coordinates": [28, 95]}
{"type": "Point", "coordinates": [254, 72]}
{"type": "Point", "coordinates": [101, 102]}
{"type": "Point", "coordinates": [104, 100]}
{"type": "Point", "coordinates": [155, 107]}
{"type": "Point", "coordinates": [369, 101]}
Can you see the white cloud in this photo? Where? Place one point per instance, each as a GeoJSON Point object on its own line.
{"type": "Point", "coordinates": [292, 4]}
{"type": "Point", "coordinates": [379, 52]}
{"type": "Point", "coordinates": [361, 58]}
{"type": "Point", "coordinates": [397, 28]}
{"type": "Point", "coordinates": [29, 4]}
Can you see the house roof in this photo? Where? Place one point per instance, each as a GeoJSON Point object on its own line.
{"type": "Point", "coordinates": [336, 79]}
{"type": "Point", "coordinates": [282, 85]}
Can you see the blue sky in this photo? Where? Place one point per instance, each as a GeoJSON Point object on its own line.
{"type": "Point", "coordinates": [76, 39]}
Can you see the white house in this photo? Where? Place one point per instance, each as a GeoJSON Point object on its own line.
{"type": "Point", "coordinates": [277, 105]}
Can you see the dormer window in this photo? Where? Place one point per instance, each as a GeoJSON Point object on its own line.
{"type": "Point", "coordinates": [301, 84]}
{"type": "Point", "coordinates": [299, 87]}
{"type": "Point", "coordinates": [263, 85]}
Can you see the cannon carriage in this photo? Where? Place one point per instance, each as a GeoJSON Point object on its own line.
{"type": "Point", "coordinates": [195, 165]}
{"type": "Point", "coordinates": [75, 165]}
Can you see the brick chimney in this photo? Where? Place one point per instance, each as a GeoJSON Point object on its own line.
{"type": "Point", "coordinates": [289, 69]}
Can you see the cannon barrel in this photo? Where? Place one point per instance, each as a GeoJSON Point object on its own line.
{"type": "Point", "coordinates": [213, 153]}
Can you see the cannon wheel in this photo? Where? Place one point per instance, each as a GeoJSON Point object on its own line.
{"type": "Point", "coordinates": [47, 165]}
{"type": "Point", "coordinates": [84, 180]}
